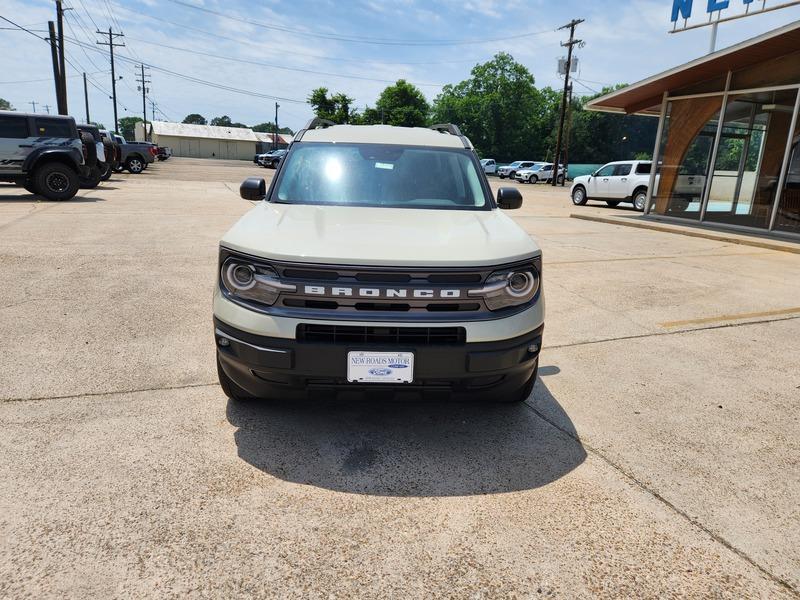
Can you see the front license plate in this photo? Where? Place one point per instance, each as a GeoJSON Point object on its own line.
{"type": "Point", "coordinates": [380, 367]}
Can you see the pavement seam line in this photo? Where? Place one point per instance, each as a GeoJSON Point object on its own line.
{"type": "Point", "coordinates": [677, 332]}
{"type": "Point", "coordinates": [110, 393]}
{"type": "Point", "coordinates": [694, 522]}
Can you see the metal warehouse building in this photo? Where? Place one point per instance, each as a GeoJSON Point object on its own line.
{"type": "Point", "coordinates": [201, 141]}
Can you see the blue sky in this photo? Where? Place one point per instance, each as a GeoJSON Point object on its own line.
{"type": "Point", "coordinates": [625, 41]}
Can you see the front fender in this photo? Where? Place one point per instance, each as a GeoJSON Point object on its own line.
{"type": "Point", "coordinates": [71, 155]}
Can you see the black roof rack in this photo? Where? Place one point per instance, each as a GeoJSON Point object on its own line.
{"type": "Point", "coordinates": [314, 123]}
{"type": "Point", "coordinates": [452, 130]}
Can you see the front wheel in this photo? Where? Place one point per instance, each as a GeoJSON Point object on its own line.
{"type": "Point", "coordinates": [612, 203]}
{"type": "Point", "coordinates": [135, 165]}
{"type": "Point", "coordinates": [92, 180]}
{"type": "Point", "coordinates": [231, 390]}
{"type": "Point", "coordinates": [534, 179]}
{"type": "Point", "coordinates": [560, 180]}
{"type": "Point", "coordinates": [639, 200]}
{"type": "Point", "coordinates": [501, 176]}
{"type": "Point", "coordinates": [579, 196]}
{"type": "Point", "coordinates": [56, 181]}
{"type": "Point", "coordinates": [524, 392]}
{"type": "Point", "coordinates": [105, 173]}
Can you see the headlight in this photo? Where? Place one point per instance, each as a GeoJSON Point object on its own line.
{"type": "Point", "coordinates": [253, 282]}
{"type": "Point", "coordinates": [512, 287]}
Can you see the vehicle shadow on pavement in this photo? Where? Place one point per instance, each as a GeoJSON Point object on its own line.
{"type": "Point", "coordinates": [409, 449]}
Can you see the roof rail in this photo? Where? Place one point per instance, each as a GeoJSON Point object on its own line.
{"type": "Point", "coordinates": [314, 123]}
{"type": "Point", "coordinates": [452, 130]}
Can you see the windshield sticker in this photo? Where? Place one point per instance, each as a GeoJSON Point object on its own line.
{"type": "Point", "coordinates": [382, 165]}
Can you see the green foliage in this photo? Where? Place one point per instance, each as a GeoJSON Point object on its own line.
{"type": "Point", "coordinates": [5, 105]}
{"type": "Point", "coordinates": [335, 108]}
{"type": "Point", "coordinates": [401, 104]}
{"type": "Point", "coordinates": [598, 137]}
{"type": "Point", "coordinates": [269, 127]}
{"type": "Point", "coordinates": [500, 109]}
{"type": "Point", "coordinates": [225, 121]}
{"type": "Point", "coordinates": [127, 127]}
{"type": "Point", "coordinates": [195, 119]}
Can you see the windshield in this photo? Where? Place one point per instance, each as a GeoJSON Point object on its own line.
{"type": "Point", "coordinates": [515, 164]}
{"type": "Point", "coordinates": [536, 167]}
{"type": "Point", "coordinates": [380, 175]}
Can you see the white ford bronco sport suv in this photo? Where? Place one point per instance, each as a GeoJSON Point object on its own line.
{"type": "Point", "coordinates": [378, 260]}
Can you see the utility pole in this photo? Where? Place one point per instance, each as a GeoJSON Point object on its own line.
{"type": "Point", "coordinates": [569, 131]}
{"type": "Point", "coordinates": [275, 134]}
{"type": "Point", "coordinates": [144, 81]}
{"type": "Point", "coordinates": [572, 42]}
{"type": "Point", "coordinates": [46, 108]}
{"type": "Point", "coordinates": [54, 55]}
{"type": "Point", "coordinates": [86, 97]}
{"type": "Point", "coordinates": [33, 103]}
{"type": "Point", "coordinates": [62, 106]}
{"type": "Point", "coordinates": [111, 45]}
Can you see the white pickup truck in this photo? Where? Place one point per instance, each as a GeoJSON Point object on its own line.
{"type": "Point", "coordinates": [621, 181]}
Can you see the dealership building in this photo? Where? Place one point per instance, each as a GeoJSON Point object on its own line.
{"type": "Point", "coordinates": [728, 142]}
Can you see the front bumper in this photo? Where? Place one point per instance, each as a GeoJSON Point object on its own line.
{"type": "Point", "coordinates": [268, 367]}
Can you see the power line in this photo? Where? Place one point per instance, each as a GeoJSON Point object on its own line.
{"type": "Point", "coordinates": [46, 79]}
{"type": "Point", "coordinates": [201, 81]}
{"type": "Point", "coordinates": [360, 60]}
{"type": "Point", "coordinates": [360, 39]}
{"type": "Point", "coordinates": [285, 68]}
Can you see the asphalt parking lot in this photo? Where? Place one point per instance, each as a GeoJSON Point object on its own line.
{"type": "Point", "coordinates": [659, 455]}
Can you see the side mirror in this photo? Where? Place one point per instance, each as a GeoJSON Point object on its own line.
{"type": "Point", "coordinates": [253, 188]}
{"type": "Point", "coordinates": [509, 198]}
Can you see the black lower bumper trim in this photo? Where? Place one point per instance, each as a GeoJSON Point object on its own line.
{"type": "Point", "coordinates": [277, 367]}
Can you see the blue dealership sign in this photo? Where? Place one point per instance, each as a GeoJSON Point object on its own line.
{"type": "Point", "coordinates": [683, 8]}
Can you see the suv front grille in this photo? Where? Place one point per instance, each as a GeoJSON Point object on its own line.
{"type": "Point", "coordinates": [367, 335]}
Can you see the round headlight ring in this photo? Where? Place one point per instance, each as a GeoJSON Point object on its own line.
{"type": "Point", "coordinates": [243, 277]}
{"type": "Point", "coordinates": [521, 284]}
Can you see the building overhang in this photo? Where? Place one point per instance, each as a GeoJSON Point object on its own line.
{"type": "Point", "coordinates": [645, 97]}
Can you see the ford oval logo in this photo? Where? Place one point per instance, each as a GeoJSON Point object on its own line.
{"type": "Point", "coordinates": [398, 366]}
{"type": "Point", "coordinates": [380, 372]}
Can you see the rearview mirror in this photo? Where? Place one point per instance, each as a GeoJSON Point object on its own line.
{"type": "Point", "coordinates": [509, 198]}
{"type": "Point", "coordinates": [253, 188]}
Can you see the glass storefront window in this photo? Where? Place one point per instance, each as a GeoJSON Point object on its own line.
{"type": "Point", "coordinates": [685, 156]}
{"type": "Point", "coordinates": [789, 207]}
{"type": "Point", "coordinates": [750, 158]}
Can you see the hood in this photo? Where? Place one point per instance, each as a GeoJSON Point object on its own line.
{"type": "Point", "coordinates": [580, 179]}
{"type": "Point", "coordinates": [379, 236]}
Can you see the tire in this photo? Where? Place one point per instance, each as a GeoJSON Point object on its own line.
{"type": "Point", "coordinates": [534, 179]}
{"type": "Point", "coordinates": [231, 390]}
{"type": "Point", "coordinates": [560, 180]}
{"type": "Point", "coordinates": [56, 181]}
{"type": "Point", "coordinates": [501, 176]}
{"type": "Point", "coordinates": [524, 392]}
{"type": "Point", "coordinates": [92, 180]}
{"type": "Point", "coordinates": [106, 171]}
{"type": "Point", "coordinates": [30, 186]}
{"type": "Point", "coordinates": [512, 175]}
{"type": "Point", "coordinates": [639, 200]}
{"type": "Point", "coordinates": [579, 197]}
{"type": "Point", "coordinates": [135, 165]}
{"type": "Point", "coordinates": [612, 203]}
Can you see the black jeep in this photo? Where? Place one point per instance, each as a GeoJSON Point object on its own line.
{"type": "Point", "coordinates": [42, 153]}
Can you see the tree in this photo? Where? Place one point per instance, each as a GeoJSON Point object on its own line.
{"type": "Point", "coordinates": [127, 127]}
{"type": "Point", "coordinates": [598, 137]}
{"type": "Point", "coordinates": [335, 108]}
{"type": "Point", "coordinates": [401, 104]}
{"type": "Point", "coordinates": [5, 104]}
{"type": "Point", "coordinates": [225, 121]}
{"type": "Point", "coordinates": [269, 127]}
{"type": "Point", "coordinates": [500, 109]}
{"type": "Point", "coordinates": [195, 119]}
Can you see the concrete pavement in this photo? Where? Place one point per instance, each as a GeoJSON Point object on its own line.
{"type": "Point", "coordinates": [652, 459]}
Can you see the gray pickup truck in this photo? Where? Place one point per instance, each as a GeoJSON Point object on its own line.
{"type": "Point", "coordinates": [135, 155]}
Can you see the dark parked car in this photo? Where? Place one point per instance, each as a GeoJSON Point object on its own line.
{"type": "Point", "coordinates": [44, 154]}
{"type": "Point", "coordinates": [273, 159]}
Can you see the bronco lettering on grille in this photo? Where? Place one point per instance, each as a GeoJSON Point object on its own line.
{"type": "Point", "coordinates": [349, 292]}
